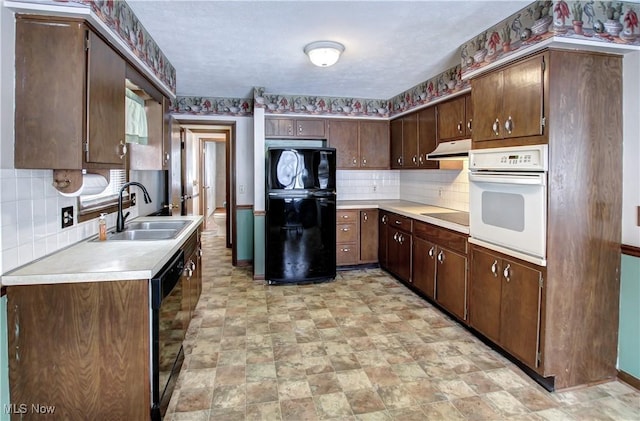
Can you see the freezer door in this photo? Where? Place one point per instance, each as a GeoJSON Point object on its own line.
{"type": "Point", "coordinates": [300, 239]}
{"type": "Point", "coordinates": [301, 169]}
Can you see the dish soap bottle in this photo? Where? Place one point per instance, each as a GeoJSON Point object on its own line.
{"type": "Point", "coordinates": [102, 227]}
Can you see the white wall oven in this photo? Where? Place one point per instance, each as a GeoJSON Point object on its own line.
{"type": "Point", "coordinates": [508, 201]}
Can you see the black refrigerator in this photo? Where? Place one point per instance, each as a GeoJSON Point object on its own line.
{"type": "Point", "coordinates": [300, 215]}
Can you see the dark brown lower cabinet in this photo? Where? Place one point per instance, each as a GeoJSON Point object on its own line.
{"type": "Point", "coordinates": [424, 266]}
{"type": "Point", "coordinates": [369, 236]}
{"type": "Point", "coordinates": [506, 303]}
{"type": "Point", "coordinates": [356, 237]}
{"type": "Point", "coordinates": [399, 253]}
{"type": "Point", "coordinates": [451, 281]}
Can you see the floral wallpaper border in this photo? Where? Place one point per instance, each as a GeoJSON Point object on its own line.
{"type": "Point", "coordinates": [609, 22]}
{"type": "Point", "coordinates": [198, 105]}
{"type": "Point", "coordinates": [119, 17]}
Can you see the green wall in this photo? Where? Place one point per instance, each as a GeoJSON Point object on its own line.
{"type": "Point", "coordinates": [244, 234]}
{"type": "Point", "coordinates": [629, 333]}
{"type": "Point", "coordinates": [259, 253]}
{"type": "Point", "coordinates": [4, 360]}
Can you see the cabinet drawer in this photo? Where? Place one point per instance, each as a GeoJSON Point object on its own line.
{"type": "Point", "coordinates": [346, 233]}
{"type": "Point", "coordinates": [344, 216]}
{"type": "Point", "coordinates": [441, 236]}
{"type": "Point", "coordinates": [400, 222]}
{"type": "Point", "coordinates": [346, 254]}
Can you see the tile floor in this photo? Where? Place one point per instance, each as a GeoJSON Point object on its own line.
{"type": "Point", "coordinates": [362, 347]}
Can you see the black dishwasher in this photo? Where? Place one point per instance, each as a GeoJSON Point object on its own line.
{"type": "Point", "coordinates": [169, 325]}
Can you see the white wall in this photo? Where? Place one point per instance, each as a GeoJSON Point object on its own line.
{"type": "Point", "coordinates": [631, 149]}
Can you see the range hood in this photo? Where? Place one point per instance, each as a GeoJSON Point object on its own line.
{"type": "Point", "coordinates": [457, 149]}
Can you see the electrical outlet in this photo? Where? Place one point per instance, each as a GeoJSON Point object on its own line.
{"type": "Point", "coordinates": [133, 199]}
{"type": "Point", "coordinates": [440, 192]}
{"type": "Point", "coordinates": [375, 188]}
{"type": "Point", "coordinates": [67, 216]}
{"type": "Point", "coordinates": [242, 189]}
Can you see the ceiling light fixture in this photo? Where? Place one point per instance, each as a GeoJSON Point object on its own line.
{"type": "Point", "coordinates": [324, 53]}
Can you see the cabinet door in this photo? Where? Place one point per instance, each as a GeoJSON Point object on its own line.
{"type": "Point", "coordinates": [451, 281]}
{"type": "Point", "coordinates": [399, 253]}
{"type": "Point", "coordinates": [275, 127]}
{"type": "Point", "coordinates": [427, 140]}
{"type": "Point", "coordinates": [343, 135]}
{"type": "Point", "coordinates": [486, 100]}
{"type": "Point", "coordinates": [520, 311]}
{"type": "Point", "coordinates": [105, 104]}
{"type": "Point", "coordinates": [424, 266]}
{"type": "Point", "coordinates": [451, 119]}
{"type": "Point", "coordinates": [50, 96]}
{"type": "Point", "coordinates": [383, 224]}
{"type": "Point", "coordinates": [485, 293]}
{"type": "Point", "coordinates": [369, 236]}
{"type": "Point", "coordinates": [396, 143]}
{"type": "Point", "coordinates": [374, 144]}
{"type": "Point", "coordinates": [523, 98]}
{"type": "Point", "coordinates": [311, 128]}
{"type": "Point", "coordinates": [410, 141]}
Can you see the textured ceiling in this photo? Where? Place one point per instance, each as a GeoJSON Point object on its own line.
{"type": "Point", "coordinates": [225, 48]}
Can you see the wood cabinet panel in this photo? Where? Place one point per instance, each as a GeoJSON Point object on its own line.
{"type": "Point", "coordinates": [451, 282]}
{"type": "Point", "coordinates": [106, 103]}
{"type": "Point", "coordinates": [424, 266]}
{"type": "Point", "coordinates": [410, 141]}
{"type": "Point", "coordinates": [374, 144]}
{"type": "Point", "coordinates": [347, 233]}
{"type": "Point", "coordinates": [485, 293]}
{"type": "Point", "coordinates": [396, 143]}
{"type": "Point", "coordinates": [278, 127]}
{"type": "Point", "coordinates": [65, 337]}
{"type": "Point", "coordinates": [399, 253]}
{"type": "Point", "coordinates": [442, 236]}
{"type": "Point", "coordinates": [311, 128]}
{"type": "Point", "coordinates": [343, 135]}
{"type": "Point", "coordinates": [427, 137]}
{"type": "Point", "coordinates": [369, 236]}
{"type": "Point", "coordinates": [451, 119]}
{"type": "Point", "coordinates": [49, 114]}
{"type": "Point", "coordinates": [468, 112]}
{"type": "Point", "coordinates": [383, 228]}
{"type": "Point", "coordinates": [347, 254]}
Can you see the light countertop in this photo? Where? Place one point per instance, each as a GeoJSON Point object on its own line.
{"type": "Point", "coordinates": [94, 261]}
{"type": "Point", "coordinates": [410, 209]}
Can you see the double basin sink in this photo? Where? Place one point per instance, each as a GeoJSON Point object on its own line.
{"type": "Point", "coordinates": [149, 230]}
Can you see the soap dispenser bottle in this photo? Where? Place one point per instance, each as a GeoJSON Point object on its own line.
{"type": "Point", "coordinates": [102, 227]}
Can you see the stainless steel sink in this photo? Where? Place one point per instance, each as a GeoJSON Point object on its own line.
{"type": "Point", "coordinates": [144, 234]}
{"type": "Point", "coordinates": [153, 225]}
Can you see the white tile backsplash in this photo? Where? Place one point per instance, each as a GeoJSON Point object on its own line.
{"type": "Point", "coordinates": [367, 185]}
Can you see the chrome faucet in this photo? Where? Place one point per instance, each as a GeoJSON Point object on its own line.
{"type": "Point", "coordinates": [121, 218]}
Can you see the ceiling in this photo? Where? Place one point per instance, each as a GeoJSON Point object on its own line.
{"type": "Point", "coordinates": [225, 48]}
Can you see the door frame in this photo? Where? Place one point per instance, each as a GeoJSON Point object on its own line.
{"type": "Point", "coordinates": [227, 199]}
{"type": "Point", "coordinates": [229, 128]}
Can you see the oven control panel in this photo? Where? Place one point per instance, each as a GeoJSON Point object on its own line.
{"type": "Point", "coordinates": [517, 158]}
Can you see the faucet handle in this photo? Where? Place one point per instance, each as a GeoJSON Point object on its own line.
{"type": "Point", "coordinates": [124, 218]}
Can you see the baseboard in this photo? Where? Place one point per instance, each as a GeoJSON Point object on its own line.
{"type": "Point", "coordinates": [244, 263]}
{"type": "Point", "coordinates": [629, 379]}
{"type": "Point", "coordinates": [258, 277]}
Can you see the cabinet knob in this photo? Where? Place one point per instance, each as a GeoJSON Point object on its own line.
{"type": "Point", "coordinates": [365, 216]}
{"type": "Point", "coordinates": [167, 157]}
{"type": "Point", "coordinates": [508, 125]}
{"type": "Point", "coordinates": [345, 216]}
{"type": "Point", "coordinates": [494, 268]}
{"type": "Point", "coordinates": [345, 250]}
{"type": "Point", "coordinates": [507, 273]}
{"type": "Point", "coordinates": [123, 149]}
{"type": "Point", "coordinates": [344, 229]}
{"type": "Point", "coordinates": [364, 161]}
{"type": "Point", "coordinates": [496, 127]}
{"type": "Point", "coordinates": [354, 162]}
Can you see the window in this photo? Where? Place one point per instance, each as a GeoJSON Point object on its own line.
{"type": "Point", "coordinates": [90, 206]}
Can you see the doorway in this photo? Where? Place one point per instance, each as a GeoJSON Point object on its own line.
{"type": "Point", "coordinates": [214, 197]}
{"type": "Point", "coordinates": [196, 194]}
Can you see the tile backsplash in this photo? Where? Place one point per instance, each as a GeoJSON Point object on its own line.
{"type": "Point", "coordinates": [31, 217]}
{"type": "Point", "coordinates": [446, 188]}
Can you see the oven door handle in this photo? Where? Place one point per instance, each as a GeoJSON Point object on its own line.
{"type": "Point", "coordinates": [508, 178]}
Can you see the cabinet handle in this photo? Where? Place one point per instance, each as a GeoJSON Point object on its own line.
{"type": "Point", "coordinates": [460, 126]}
{"type": "Point", "coordinates": [420, 160]}
{"type": "Point", "coordinates": [354, 162]}
{"type": "Point", "coordinates": [400, 238]}
{"type": "Point", "coordinates": [123, 149]}
{"type": "Point", "coordinates": [398, 222]}
{"type": "Point", "coordinates": [167, 156]}
{"type": "Point", "coordinates": [344, 229]}
{"type": "Point", "coordinates": [385, 218]}
{"type": "Point", "coordinates": [506, 273]}
{"type": "Point", "coordinates": [469, 125]}
{"type": "Point", "coordinates": [345, 216]}
{"type": "Point", "coordinates": [199, 252]}
{"type": "Point", "coordinates": [496, 127]}
{"type": "Point", "coordinates": [431, 251]}
{"type": "Point", "coordinates": [299, 128]}
{"type": "Point", "coordinates": [400, 161]}
{"type": "Point", "coordinates": [508, 125]}
{"type": "Point", "coordinates": [365, 216]}
{"type": "Point", "coordinates": [441, 257]}
{"type": "Point", "coordinates": [345, 250]}
{"type": "Point", "coordinates": [364, 161]}
{"type": "Point", "coordinates": [415, 160]}
{"type": "Point", "coordinates": [494, 268]}
{"type": "Point", "coordinates": [395, 237]}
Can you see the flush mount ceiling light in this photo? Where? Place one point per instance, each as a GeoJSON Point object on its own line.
{"type": "Point", "coordinates": [324, 53]}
